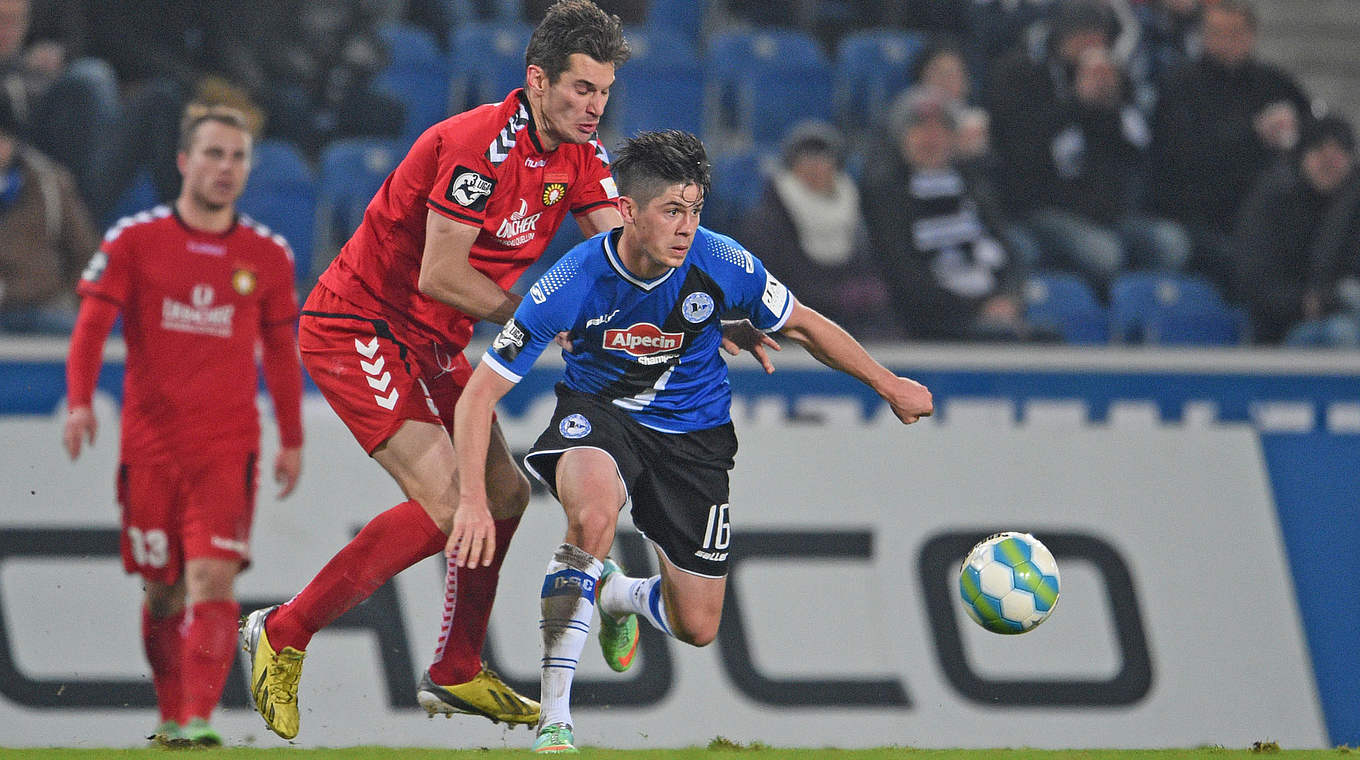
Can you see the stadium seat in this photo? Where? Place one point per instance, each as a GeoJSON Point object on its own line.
{"type": "Point", "coordinates": [871, 67]}
{"type": "Point", "coordinates": [1148, 307]}
{"type": "Point", "coordinates": [677, 18]}
{"type": "Point", "coordinates": [281, 195]}
{"type": "Point", "coordinates": [461, 12]}
{"type": "Point", "coordinates": [760, 82]}
{"type": "Point", "coordinates": [140, 195]}
{"type": "Point", "coordinates": [738, 179]}
{"type": "Point", "coordinates": [661, 87]}
{"type": "Point", "coordinates": [486, 62]}
{"type": "Point", "coordinates": [416, 74]}
{"type": "Point", "coordinates": [351, 171]}
{"type": "Point", "coordinates": [1195, 326]}
{"type": "Point", "coordinates": [1064, 304]}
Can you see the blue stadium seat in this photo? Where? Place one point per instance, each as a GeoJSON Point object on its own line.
{"type": "Point", "coordinates": [140, 195]}
{"type": "Point", "coordinates": [461, 12]}
{"type": "Point", "coordinates": [281, 195]}
{"type": "Point", "coordinates": [738, 179]}
{"type": "Point", "coordinates": [487, 61]}
{"type": "Point", "coordinates": [351, 171]}
{"type": "Point", "coordinates": [1147, 307]}
{"type": "Point", "coordinates": [741, 62]}
{"type": "Point", "coordinates": [679, 18]}
{"type": "Point", "coordinates": [774, 98]}
{"type": "Point", "coordinates": [416, 74]}
{"type": "Point", "coordinates": [871, 67]}
{"type": "Point", "coordinates": [1065, 304]}
{"type": "Point", "coordinates": [1195, 326]}
{"type": "Point", "coordinates": [660, 87]}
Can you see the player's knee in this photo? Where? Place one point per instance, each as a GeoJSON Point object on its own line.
{"type": "Point", "coordinates": [696, 630]}
{"type": "Point", "coordinates": [163, 601]}
{"type": "Point", "coordinates": [211, 580]}
{"type": "Point", "coordinates": [592, 528]}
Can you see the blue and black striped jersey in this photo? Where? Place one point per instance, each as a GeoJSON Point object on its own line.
{"type": "Point", "coordinates": [651, 347]}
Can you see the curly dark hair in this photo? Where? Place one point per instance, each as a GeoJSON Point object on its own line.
{"type": "Point", "coordinates": [647, 164]}
{"type": "Point", "coordinates": [576, 26]}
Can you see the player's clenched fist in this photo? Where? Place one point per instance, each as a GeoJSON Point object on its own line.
{"type": "Point", "coordinates": [909, 400]}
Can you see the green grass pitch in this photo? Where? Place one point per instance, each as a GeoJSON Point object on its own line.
{"type": "Point", "coordinates": [719, 749]}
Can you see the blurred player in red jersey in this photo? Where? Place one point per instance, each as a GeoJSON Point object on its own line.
{"type": "Point", "coordinates": [199, 287]}
{"type": "Point", "coordinates": [470, 207]}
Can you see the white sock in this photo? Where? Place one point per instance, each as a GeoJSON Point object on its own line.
{"type": "Point", "coordinates": [567, 604]}
{"type": "Point", "coordinates": [641, 596]}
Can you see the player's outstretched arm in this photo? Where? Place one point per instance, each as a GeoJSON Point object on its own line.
{"type": "Point", "coordinates": [472, 541]}
{"type": "Point", "coordinates": [837, 349]}
{"type": "Point", "coordinates": [447, 275]}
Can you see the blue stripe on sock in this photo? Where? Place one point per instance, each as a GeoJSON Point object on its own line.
{"type": "Point", "coordinates": [654, 604]}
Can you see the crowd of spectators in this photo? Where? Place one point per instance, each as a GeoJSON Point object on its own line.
{"type": "Point", "coordinates": [1093, 137]}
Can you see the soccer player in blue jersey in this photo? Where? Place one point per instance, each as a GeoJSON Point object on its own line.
{"type": "Point", "coordinates": [643, 412]}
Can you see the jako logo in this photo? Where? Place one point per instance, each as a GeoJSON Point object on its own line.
{"type": "Point", "coordinates": [642, 339]}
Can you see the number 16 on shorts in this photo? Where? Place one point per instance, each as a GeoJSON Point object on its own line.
{"type": "Point", "coordinates": [717, 534]}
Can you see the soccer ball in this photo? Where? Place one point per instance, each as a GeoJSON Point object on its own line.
{"type": "Point", "coordinates": [1009, 583]}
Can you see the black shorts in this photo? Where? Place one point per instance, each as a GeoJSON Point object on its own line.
{"type": "Point", "coordinates": [677, 482]}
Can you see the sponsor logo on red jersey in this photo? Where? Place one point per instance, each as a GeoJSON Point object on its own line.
{"type": "Point", "coordinates": [518, 229]}
{"type": "Point", "coordinates": [642, 339]}
{"type": "Point", "coordinates": [200, 316]}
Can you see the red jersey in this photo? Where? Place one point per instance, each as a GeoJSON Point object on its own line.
{"type": "Point", "coordinates": [194, 304]}
{"type": "Point", "coordinates": [486, 168]}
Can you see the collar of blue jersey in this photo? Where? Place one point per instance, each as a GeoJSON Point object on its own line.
{"type": "Point", "coordinates": [532, 127]}
{"type": "Point", "coordinates": [610, 255]}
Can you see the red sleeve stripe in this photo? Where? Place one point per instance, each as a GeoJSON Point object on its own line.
{"type": "Point", "coordinates": [446, 211]}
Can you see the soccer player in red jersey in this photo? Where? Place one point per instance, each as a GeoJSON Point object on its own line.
{"type": "Point", "coordinates": [199, 287]}
{"type": "Point", "coordinates": [469, 208]}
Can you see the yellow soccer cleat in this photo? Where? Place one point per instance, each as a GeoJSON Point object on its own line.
{"type": "Point", "coordinates": [485, 695]}
{"type": "Point", "coordinates": [274, 676]}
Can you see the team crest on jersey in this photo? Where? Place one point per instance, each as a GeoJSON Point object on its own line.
{"type": "Point", "coordinates": [243, 281]}
{"type": "Point", "coordinates": [697, 307]}
{"type": "Point", "coordinates": [574, 426]}
{"type": "Point", "coordinates": [470, 189]}
{"type": "Point", "coordinates": [553, 192]}
{"type": "Point", "coordinates": [642, 339]}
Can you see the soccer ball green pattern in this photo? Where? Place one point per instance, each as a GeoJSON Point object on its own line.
{"type": "Point", "coordinates": [1009, 583]}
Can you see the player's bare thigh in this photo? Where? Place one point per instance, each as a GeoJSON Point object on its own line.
{"type": "Point", "coordinates": [420, 457]}
{"type": "Point", "coordinates": [694, 603]}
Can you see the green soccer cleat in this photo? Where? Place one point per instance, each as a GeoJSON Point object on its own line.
{"type": "Point", "coordinates": [274, 676]}
{"type": "Point", "coordinates": [198, 733]}
{"type": "Point", "coordinates": [618, 638]}
{"type": "Point", "coordinates": [485, 695]}
{"type": "Point", "coordinates": [167, 734]}
{"type": "Point", "coordinates": [555, 739]}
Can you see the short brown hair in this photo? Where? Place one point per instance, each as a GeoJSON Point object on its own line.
{"type": "Point", "coordinates": [197, 113]}
{"type": "Point", "coordinates": [576, 26]}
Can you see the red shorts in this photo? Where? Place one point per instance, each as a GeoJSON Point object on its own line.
{"type": "Point", "coordinates": [178, 512]}
{"type": "Point", "coordinates": [376, 379]}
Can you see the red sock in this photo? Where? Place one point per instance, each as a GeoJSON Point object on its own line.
{"type": "Point", "coordinates": [390, 543]}
{"type": "Point", "coordinates": [468, 596]}
{"type": "Point", "coordinates": [161, 638]}
{"type": "Point", "coordinates": [209, 644]}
